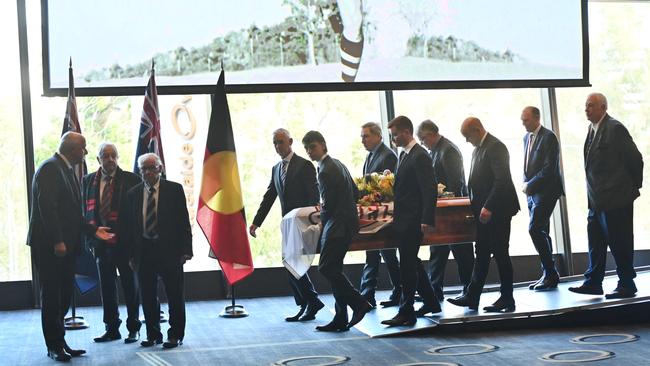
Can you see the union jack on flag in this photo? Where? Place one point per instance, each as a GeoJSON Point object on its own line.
{"type": "Point", "coordinates": [149, 140]}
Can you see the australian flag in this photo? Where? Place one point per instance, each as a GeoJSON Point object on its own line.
{"type": "Point", "coordinates": [149, 136]}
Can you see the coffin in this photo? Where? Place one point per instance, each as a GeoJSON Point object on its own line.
{"type": "Point", "coordinates": [454, 224]}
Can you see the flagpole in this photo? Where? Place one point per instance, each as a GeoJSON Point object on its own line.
{"type": "Point", "coordinates": [75, 322]}
{"type": "Point", "coordinates": [233, 310]}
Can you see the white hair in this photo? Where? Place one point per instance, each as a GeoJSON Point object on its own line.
{"type": "Point", "coordinates": [143, 157]}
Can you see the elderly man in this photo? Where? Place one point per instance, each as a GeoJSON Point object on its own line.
{"type": "Point", "coordinates": [338, 195]}
{"type": "Point", "coordinates": [542, 186]}
{"type": "Point", "coordinates": [448, 168]}
{"type": "Point", "coordinates": [56, 226]}
{"type": "Point", "coordinates": [494, 202]}
{"type": "Point", "coordinates": [293, 180]}
{"type": "Point", "coordinates": [379, 158]}
{"type": "Point", "coordinates": [105, 203]}
{"type": "Point", "coordinates": [614, 171]}
{"type": "Point", "coordinates": [161, 235]}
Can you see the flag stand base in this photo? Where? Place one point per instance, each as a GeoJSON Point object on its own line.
{"type": "Point", "coordinates": [233, 310]}
{"type": "Point", "coordinates": [75, 322]}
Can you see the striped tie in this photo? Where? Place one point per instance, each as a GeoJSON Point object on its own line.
{"type": "Point", "coordinates": [107, 196]}
{"type": "Point", "coordinates": [151, 219]}
{"type": "Point", "coordinates": [283, 171]}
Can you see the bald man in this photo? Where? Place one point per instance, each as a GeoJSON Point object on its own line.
{"type": "Point", "coordinates": [542, 184]}
{"type": "Point", "coordinates": [614, 172]}
{"type": "Point", "coordinates": [494, 202]}
{"type": "Point", "coordinates": [56, 225]}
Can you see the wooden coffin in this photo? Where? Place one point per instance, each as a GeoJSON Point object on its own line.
{"type": "Point", "coordinates": [454, 224]}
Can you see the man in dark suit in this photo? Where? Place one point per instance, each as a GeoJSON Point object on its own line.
{"type": "Point", "coordinates": [494, 202]}
{"type": "Point", "coordinates": [56, 226]}
{"type": "Point", "coordinates": [614, 170]}
{"type": "Point", "coordinates": [293, 180]}
{"type": "Point", "coordinates": [339, 220]}
{"type": "Point", "coordinates": [379, 158]}
{"type": "Point", "coordinates": [448, 169]}
{"type": "Point", "coordinates": [542, 186]}
{"type": "Point", "coordinates": [413, 215]}
{"type": "Point", "coordinates": [161, 235]}
{"type": "Point", "coordinates": [105, 202]}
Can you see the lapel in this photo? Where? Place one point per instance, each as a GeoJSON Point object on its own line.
{"type": "Point", "coordinates": [596, 139]}
{"type": "Point", "coordinates": [477, 156]}
{"type": "Point", "coordinates": [139, 197]}
{"type": "Point", "coordinates": [68, 176]}
{"type": "Point", "coordinates": [276, 178]}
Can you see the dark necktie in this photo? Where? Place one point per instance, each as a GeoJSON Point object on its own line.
{"type": "Point", "coordinates": [74, 181]}
{"type": "Point", "coordinates": [107, 197]}
{"type": "Point", "coordinates": [151, 220]}
{"type": "Point", "coordinates": [402, 156]}
{"type": "Point", "coordinates": [366, 166]}
{"type": "Point", "coordinates": [529, 147]}
{"type": "Point", "coordinates": [283, 172]}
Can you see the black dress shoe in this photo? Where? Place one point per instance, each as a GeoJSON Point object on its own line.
{"type": "Point", "coordinates": [428, 308]}
{"type": "Point", "coordinates": [151, 342]}
{"type": "Point", "coordinates": [401, 319]}
{"type": "Point", "coordinates": [390, 302]}
{"type": "Point", "coordinates": [587, 290]}
{"type": "Point", "coordinates": [359, 313]}
{"type": "Point", "coordinates": [371, 300]}
{"type": "Point", "coordinates": [549, 282]}
{"type": "Point", "coordinates": [133, 337]}
{"type": "Point", "coordinates": [108, 336]}
{"type": "Point", "coordinates": [621, 293]}
{"type": "Point", "coordinates": [312, 309]}
{"type": "Point", "coordinates": [501, 305]}
{"type": "Point", "coordinates": [296, 317]}
{"type": "Point", "coordinates": [58, 355]}
{"type": "Point", "coordinates": [172, 342]}
{"type": "Point", "coordinates": [532, 285]}
{"type": "Point", "coordinates": [464, 300]}
{"type": "Point", "coordinates": [332, 327]}
{"type": "Point", "coordinates": [73, 352]}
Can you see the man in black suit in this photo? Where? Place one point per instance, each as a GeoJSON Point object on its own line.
{"type": "Point", "coordinates": [413, 215]}
{"type": "Point", "coordinates": [448, 169]}
{"type": "Point", "coordinates": [161, 235]}
{"type": "Point", "coordinates": [339, 220]}
{"type": "Point", "coordinates": [379, 158]}
{"type": "Point", "coordinates": [56, 225]}
{"type": "Point", "coordinates": [542, 186]}
{"type": "Point", "coordinates": [105, 202]}
{"type": "Point", "coordinates": [494, 202]}
{"type": "Point", "coordinates": [293, 180]}
{"type": "Point", "coordinates": [614, 170]}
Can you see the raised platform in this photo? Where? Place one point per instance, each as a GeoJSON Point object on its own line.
{"type": "Point", "coordinates": [529, 303]}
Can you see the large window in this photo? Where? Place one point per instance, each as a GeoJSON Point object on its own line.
{"type": "Point", "coordinates": [620, 55]}
{"type": "Point", "coordinates": [14, 254]}
{"type": "Point", "coordinates": [499, 111]}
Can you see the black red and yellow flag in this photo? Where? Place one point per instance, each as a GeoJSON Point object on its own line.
{"type": "Point", "coordinates": [221, 207]}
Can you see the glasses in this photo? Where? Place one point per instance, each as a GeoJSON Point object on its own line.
{"type": "Point", "coordinates": [151, 168]}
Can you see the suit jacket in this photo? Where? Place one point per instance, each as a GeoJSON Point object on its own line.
{"type": "Point", "coordinates": [173, 223]}
{"type": "Point", "coordinates": [415, 191]}
{"type": "Point", "coordinates": [56, 209]}
{"type": "Point", "coordinates": [124, 181]}
{"type": "Point", "coordinates": [613, 166]}
{"type": "Point", "coordinates": [490, 184]}
{"type": "Point", "coordinates": [543, 171]}
{"type": "Point", "coordinates": [339, 195]}
{"type": "Point", "coordinates": [384, 158]}
{"type": "Point", "coordinates": [300, 188]}
{"type": "Point", "coordinates": [448, 167]}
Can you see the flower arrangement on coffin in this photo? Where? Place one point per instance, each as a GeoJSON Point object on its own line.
{"type": "Point", "coordinates": [442, 193]}
{"type": "Point", "coordinates": [375, 188]}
